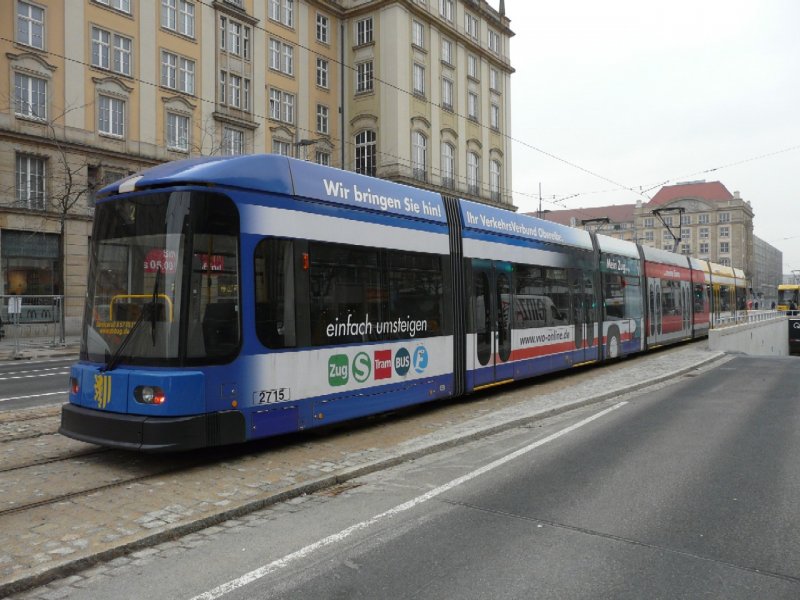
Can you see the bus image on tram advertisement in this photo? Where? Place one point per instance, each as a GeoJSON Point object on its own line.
{"type": "Point", "coordinates": [788, 296]}
{"type": "Point", "coordinates": [237, 298]}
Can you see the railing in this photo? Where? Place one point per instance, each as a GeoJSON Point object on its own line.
{"type": "Point", "coordinates": [750, 316]}
{"type": "Point", "coordinates": [32, 316]}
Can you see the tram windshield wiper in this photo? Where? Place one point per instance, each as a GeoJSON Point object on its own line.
{"type": "Point", "coordinates": [149, 309]}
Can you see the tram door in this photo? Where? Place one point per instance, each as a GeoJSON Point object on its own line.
{"type": "Point", "coordinates": [492, 304]}
{"type": "Point", "coordinates": [654, 286]}
{"type": "Point", "coordinates": [583, 316]}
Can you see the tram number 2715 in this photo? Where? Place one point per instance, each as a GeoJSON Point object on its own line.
{"type": "Point", "coordinates": [271, 396]}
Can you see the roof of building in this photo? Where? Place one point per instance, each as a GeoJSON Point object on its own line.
{"type": "Point", "coordinates": [710, 191]}
{"type": "Point", "coordinates": [619, 213]}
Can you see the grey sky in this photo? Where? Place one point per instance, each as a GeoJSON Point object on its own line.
{"type": "Point", "coordinates": [641, 94]}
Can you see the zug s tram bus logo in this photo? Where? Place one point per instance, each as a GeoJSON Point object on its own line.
{"type": "Point", "coordinates": [102, 390]}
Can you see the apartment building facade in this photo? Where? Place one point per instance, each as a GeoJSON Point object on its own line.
{"type": "Point", "coordinates": [92, 90]}
{"type": "Point", "coordinates": [697, 218]}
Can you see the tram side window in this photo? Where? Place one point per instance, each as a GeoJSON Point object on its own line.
{"type": "Point", "coordinates": [557, 290]}
{"type": "Point", "coordinates": [670, 297]}
{"type": "Point", "coordinates": [363, 294]}
{"type": "Point", "coordinates": [622, 297]}
{"type": "Point", "coordinates": [700, 298]}
{"type": "Point", "coordinates": [274, 291]}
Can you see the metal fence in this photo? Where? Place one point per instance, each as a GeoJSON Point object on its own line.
{"type": "Point", "coordinates": [32, 317]}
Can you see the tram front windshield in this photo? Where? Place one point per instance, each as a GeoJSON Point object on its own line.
{"type": "Point", "coordinates": [163, 282]}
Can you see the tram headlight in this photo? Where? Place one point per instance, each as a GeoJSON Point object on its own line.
{"type": "Point", "coordinates": [149, 394]}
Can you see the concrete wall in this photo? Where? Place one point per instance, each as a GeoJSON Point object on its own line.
{"type": "Point", "coordinates": [764, 338]}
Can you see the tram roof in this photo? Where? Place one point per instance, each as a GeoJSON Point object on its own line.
{"type": "Point", "coordinates": [276, 174]}
{"type": "Point", "coordinates": [482, 218]}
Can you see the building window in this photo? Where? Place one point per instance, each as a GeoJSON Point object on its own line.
{"type": "Point", "coordinates": [703, 233]}
{"type": "Point", "coordinates": [322, 118]}
{"type": "Point", "coordinates": [494, 42]}
{"type": "Point", "coordinates": [366, 152]}
{"type": "Point", "coordinates": [649, 236]}
{"type": "Point", "coordinates": [232, 141]}
{"type": "Point", "coordinates": [419, 156]}
{"type": "Point", "coordinates": [322, 73]}
{"type": "Point", "coordinates": [725, 262]}
{"type": "Point", "coordinates": [283, 148]}
{"type": "Point", "coordinates": [282, 11]}
{"type": "Point", "coordinates": [686, 249]}
{"type": "Point", "coordinates": [703, 247]}
{"type": "Point", "coordinates": [494, 79]}
{"type": "Point", "coordinates": [281, 106]}
{"type": "Point", "coordinates": [30, 25]}
{"type": "Point", "coordinates": [494, 117]}
{"type": "Point", "coordinates": [447, 51]}
{"type": "Point", "coordinates": [494, 180]}
{"type": "Point", "coordinates": [419, 80]}
{"type": "Point", "coordinates": [417, 34]}
{"type": "Point", "coordinates": [447, 94]}
{"type": "Point", "coordinates": [686, 234]}
{"type": "Point", "coordinates": [446, 9]}
{"type": "Point", "coordinates": [322, 28]}
{"type": "Point", "coordinates": [473, 173]}
{"type": "Point", "coordinates": [120, 5]}
{"type": "Point", "coordinates": [471, 25]}
{"type": "Point", "coordinates": [472, 106]}
{"type": "Point", "coordinates": [364, 77]}
{"type": "Point", "coordinates": [725, 231]}
{"type": "Point", "coordinates": [30, 172]}
{"type": "Point", "coordinates": [702, 219]}
{"type": "Point", "coordinates": [648, 221]}
{"type": "Point", "coordinates": [234, 37]}
{"type": "Point", "coordinates": [111, 116]}
{"type": "Point", "coordinates": [177, 132]}
{"type": "Point", "coordinates": [724, 217]}
{"type": "Point", "coordinates": [724, 247]}
{"type": "Point", "coordinates": [364, 31]}
{"type": "Point", "coordinates": [323, 158]}
{"type": "Point", "coordinates": [178, 16]}
{"type": "Point", "coordinates": [472, 66]}
{"type": "Point", "coordinates": [30, 96]}
{"type": "Point", "coordinates": [686, 219]}
{"type": "Point", "coordinates": [30, 263]}
{"type": "Point", "coordinates": [177, 73]}
{"type": "Point", "coordinates": [111, 51]}
{"type": "Point", "coordinates": [281, 57]}
{"type": "Point", "coordinates": [448, 165]}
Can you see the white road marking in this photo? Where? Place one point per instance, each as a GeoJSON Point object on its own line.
{"type": "Point", "coordinates": [275, 565]}
{"type": "Point", "coordinates": [34, 396]}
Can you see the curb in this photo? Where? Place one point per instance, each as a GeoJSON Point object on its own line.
{"type": "Point", "coordinates": [170, 533]}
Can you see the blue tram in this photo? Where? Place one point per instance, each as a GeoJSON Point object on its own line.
{"type": "Point", "coordinates": [234, 298]}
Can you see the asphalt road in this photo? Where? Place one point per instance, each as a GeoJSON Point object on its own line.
{"type": "Point", "coordinates": [686, 490]}
{"type": "Point", "coordinates": [29, 383]}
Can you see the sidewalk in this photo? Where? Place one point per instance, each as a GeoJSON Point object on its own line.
{"type": "Point", "coordinates": [27, 348]}
{"type": "Point", "coordinates": [50, 542]}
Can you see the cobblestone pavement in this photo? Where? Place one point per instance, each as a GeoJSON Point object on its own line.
{"type": "Point", "coordinates": [122, 524]}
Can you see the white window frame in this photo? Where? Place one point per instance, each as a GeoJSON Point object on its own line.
{"type": "Point", "coordinates": [419, 79]}
{"type": "Point", "coordinates": [419, 155]}
{"type": "Point", "coordinates": [494, 42]}
{"type": "Point", "coordinates": [473, 106]}
{"type": "Point", "coordinates": [322, 158]}
{"type": "Point", "coordinates": [448, 88]}
{"type": "Point", "coordinates": [473, 173]}
{"type": "Point", "coordinates": [30, 96]}
{"type": "Point", "coordinates": [494, 116]}
{"type": "Point", "coordinates": [30, 24]}
{"type": "Point", "coordinates": [724, 217]}
{"type": "Point", "coordinates": [364, 31]}
{"type": "Point", "coordinates": [494, 180]}
{"type": "Point", "coordinates": [448, 165]}
{"type": "Point", "coordinates": [364, 77]}
{"type": "Point", "coordinates": [322, 28]}
{"type": "Point", "coordinates": [473, 67]}
{"type": "Point", "coordinates": [178, 16]}
{"type": "Point", "coordinates": [418, 34]}
{"type": "Point", "coordinates": [178, 131]}
{"type": "Point", "coordinates": [366, 152]}
{"type": "Point", "coordinates": [120, 5]}
{"type": "Point", "coordinates": [725, 231]}
{"type": "Point", "coordinates": [30, 177]}
{"type": "Point", "coordinates": [494, 79]}
{"type": "Point", "coordinates": [322, 73]}
{"type": "Point", "coordinates": [281, 147]}
{"type": "Point", "coordinates": [447, 51]}
{"type": "Point", "coordinates": [724, 247]}
{"type": "Point", "coordinates": [446, 10]}
{"type": "Point", "coordinates": [323, 114]}
{"type": "Point", "coordinates": [471, 25]}
{"type": "Point", "coordinates": [232, 141]}
{"type": "Point", "coordinates": [111, 116]}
